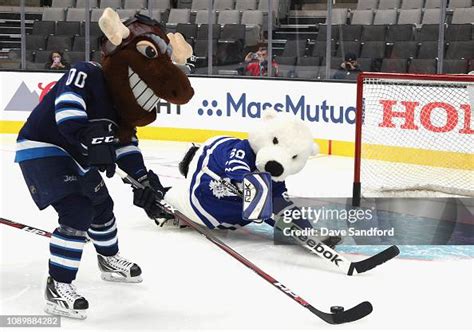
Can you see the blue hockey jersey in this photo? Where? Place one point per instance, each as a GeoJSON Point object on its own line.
{"type": "Point", "coordinates": [230, 159]}
{"type": "Point", "coordinates": [55, 125]}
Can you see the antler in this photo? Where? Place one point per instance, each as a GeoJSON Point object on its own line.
{"type": "Point", "coordinates": [112, 27]}
{"type": "Point", "coordinates": [181, 49]}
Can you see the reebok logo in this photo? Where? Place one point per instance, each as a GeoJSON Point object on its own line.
{"type": "Point", "coordinates": [248, 192]}
{"type": "Point", "coordinates": [317, 247]}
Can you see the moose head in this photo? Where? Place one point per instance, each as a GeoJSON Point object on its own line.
{"type": "Point", "coordinates": [141, 66]}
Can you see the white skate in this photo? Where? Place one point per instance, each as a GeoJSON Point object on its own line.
{"type": "Point", "coordinates": [119, 269]}
{"type": "Point", "coordinates": [63, 300]}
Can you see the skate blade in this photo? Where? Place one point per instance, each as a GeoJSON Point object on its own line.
{"type": "Point", "coordinates": [115, 277]}
{"type": "Point", "coordinates": [55, 310]}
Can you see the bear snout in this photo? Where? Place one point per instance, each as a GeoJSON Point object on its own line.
{"type": "Point", "coordinates": [274, 168]}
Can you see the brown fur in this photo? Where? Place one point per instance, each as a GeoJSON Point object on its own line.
{"type": "Point", "coordinates": [165, 79]}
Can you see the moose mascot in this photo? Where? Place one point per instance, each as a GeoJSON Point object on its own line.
{"type": "Point", "coordinates": [85, 125]}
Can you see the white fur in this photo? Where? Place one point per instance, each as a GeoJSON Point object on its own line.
{"type": "Point", "coordinates": [294, 138]}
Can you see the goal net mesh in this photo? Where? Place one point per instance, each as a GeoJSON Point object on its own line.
{"type": "Point", "coordinates": [417, 138]}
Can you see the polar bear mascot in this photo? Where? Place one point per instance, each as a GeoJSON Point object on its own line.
{"type": "Point", "coordinates": [216, 171]}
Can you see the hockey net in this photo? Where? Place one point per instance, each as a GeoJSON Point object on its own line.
{"type": "Point", "coordinates": [414, 136]}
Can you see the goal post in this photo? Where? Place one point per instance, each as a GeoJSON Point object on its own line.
{"type": "Point", "coordinates": [414, 136]}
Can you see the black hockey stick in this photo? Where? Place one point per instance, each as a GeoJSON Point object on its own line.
{"type": "Point", "coordinates": [373, 261]}
{"type": "Point", "coordinates": [338, 315]}
{"type": "Point", "coordinates": [317, 247]}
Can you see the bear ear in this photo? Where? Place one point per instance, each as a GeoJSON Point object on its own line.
{"type": "Point", "coordinates": [315, 149]}
{"type": "Point", "coordinates": [269, 114]}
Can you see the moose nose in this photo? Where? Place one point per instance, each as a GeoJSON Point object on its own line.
{"type": "Point", "coordinates": [274, 168]}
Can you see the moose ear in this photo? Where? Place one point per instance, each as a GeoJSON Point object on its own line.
{"type": "Point", "coordinates": [112, 26]}
{"type": "Point", "coordinates": [181, 49]}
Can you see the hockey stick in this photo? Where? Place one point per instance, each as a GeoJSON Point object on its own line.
{"type": "Point", "coordinates": [25, 228]}
{"type": "Point", "coordinates": [319, 248]}
{"type": "Point", "coordinates": [338, 315]}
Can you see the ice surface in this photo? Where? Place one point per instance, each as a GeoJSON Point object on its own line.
{"type": "Point", "coordinates": [191, 284]}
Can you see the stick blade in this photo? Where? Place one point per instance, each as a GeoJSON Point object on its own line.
{"type": "Point", "coordinates": [371, 262]}
{"type": "Point", "coordinates": [359, 311]}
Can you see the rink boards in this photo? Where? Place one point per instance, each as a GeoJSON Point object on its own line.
{"type": "Point", "coordinates": [220, 106]}
{"type": "Point", "coordinates": [232, 106]}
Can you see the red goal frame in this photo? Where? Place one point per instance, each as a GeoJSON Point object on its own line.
{"type": "Point", "coordinates": [356, 188]}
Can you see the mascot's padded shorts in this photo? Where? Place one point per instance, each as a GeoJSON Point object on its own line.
{"type": "Point", "coordinates": [51, 179]}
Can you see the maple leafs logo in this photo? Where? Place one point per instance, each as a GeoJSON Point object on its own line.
{"type": "Point", "coordinates": [219, 189]}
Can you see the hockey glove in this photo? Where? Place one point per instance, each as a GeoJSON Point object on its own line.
{"type": "Point", "coordinates": [99, 139]}
{"type": "Point", "coordinates": [147, 198]}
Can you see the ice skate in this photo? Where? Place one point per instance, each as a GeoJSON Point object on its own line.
{"type": "Point", "coordinates": [119, 269]}
{"type": "Point", "coordinates": [63, 300]}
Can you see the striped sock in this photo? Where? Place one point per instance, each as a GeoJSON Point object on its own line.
{"type": "Point", "coordinates": [66, 252]}
{"type": "Point", "coordinates": [105, 238]}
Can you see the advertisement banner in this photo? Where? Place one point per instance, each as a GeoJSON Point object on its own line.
{"type": "Point", "coordinates": [218, 104]}
{"type": "Point", "coordinates": [430, 117]}
{"type": "Point", "coordinates": [235, 104]}
{"type": "Point", "coordinates": [20, 92]}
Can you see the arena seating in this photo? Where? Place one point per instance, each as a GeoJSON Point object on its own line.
{"type": "Point", "coordinates": [388, 35]}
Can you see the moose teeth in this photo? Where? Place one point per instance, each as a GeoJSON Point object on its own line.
{"type": "Point", "coordinates": [144, 96]}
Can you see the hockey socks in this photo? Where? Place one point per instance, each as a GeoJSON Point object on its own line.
{"type": "Point", "coordinates": [66, 250]}
{"type": "Point", "coordinates": [105, 238]}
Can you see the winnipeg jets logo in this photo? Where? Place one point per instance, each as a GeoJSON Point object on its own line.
{"type": "Point", "coordinates": [219, 188]}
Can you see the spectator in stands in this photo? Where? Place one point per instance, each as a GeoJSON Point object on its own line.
{"type": "Point", "coordinates": [296, 4]}
{"type": "Point", "coordinates": [256, 64]}
{"type": "Point", "coordinates": [349, 68]}
{"type": "Point", "coordinates": [56, 62]}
